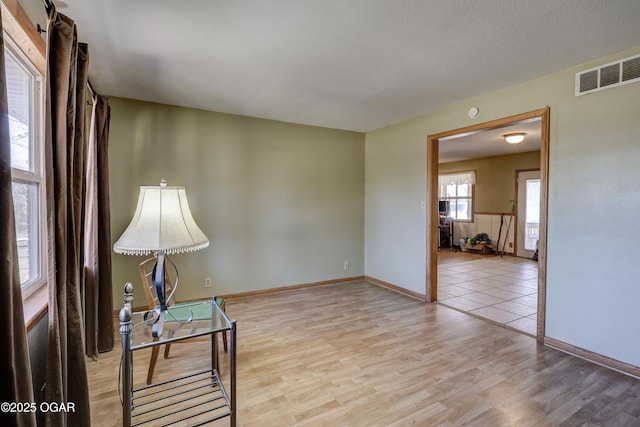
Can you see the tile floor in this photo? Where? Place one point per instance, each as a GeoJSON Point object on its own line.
{"type": "Point", "coordinates": [504, 290]}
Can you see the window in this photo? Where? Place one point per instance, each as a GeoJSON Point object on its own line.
{"type": "Point", "coordinates": [457, 189]}
{"type": "Point", "coordinates": [26, 135]}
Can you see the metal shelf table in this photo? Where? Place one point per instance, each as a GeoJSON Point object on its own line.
{"type": "Point", "coordinates": [197, 398]}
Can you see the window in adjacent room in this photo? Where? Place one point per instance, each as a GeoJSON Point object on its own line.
{"type": "Point", "coordinates": [457, 189]}
{"type": "Point", "coordinates": [24, 84]}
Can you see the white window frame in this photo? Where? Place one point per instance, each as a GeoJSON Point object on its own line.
{"type": "Point", "coordinates": [37, 176]}
{"type": "Point", "coordinates": [460, 178]}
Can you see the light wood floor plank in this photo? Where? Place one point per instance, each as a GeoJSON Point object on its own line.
{"type": "Point", "coordinates": [356, 354]}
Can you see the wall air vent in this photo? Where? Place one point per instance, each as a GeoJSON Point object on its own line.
{"type": "Point", "coordinates": [609, 75]}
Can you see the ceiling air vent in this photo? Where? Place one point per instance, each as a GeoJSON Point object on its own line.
{"type": "Point", "coordinates": [608, 76]}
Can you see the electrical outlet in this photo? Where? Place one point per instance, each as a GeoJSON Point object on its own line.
{"type": "Point", "coordinates": [207, 282]}
{"type": "Point", "coordinates": [346, 265]}
{"type": "Point", "coordinates": [510, 244]}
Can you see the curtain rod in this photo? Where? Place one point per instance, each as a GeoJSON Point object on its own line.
{"type": "Point", "coordinates": [91, 89]}
{"type": "Point", "coordinates": [48, 4]}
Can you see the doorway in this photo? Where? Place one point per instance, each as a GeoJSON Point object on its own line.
{"type": "Point", "coordinates": [528, 212]}
{"type": "Point", "coordinates": [433, 142]}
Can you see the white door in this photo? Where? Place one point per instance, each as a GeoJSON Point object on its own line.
{"type": "Point", "coordinates": [528, 213]}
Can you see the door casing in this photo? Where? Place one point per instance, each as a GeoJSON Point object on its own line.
{"type": "Point", "coordinates": [431, 293]}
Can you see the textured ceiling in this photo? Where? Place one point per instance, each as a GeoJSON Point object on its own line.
{"type": "Point", "coordinates": [490, 143]}
{"type": "Point", "coordinates": [346, 64]}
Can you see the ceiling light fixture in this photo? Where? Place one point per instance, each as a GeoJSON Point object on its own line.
{"type": "Point", "coordinates": [514, 138]}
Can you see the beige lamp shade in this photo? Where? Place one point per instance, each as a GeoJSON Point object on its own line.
{"type": "Point", "coordinates": [162, 223]}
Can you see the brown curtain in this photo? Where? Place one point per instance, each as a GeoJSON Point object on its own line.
{"type": "Point", "coordinates": [15, 370]}
{"type": "Point", "coordinates": [97, 238]}
{"type": "Point", "coordinates": [66, 375]}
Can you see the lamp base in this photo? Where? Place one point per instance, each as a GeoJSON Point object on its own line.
{"type": "Point", "coordinates": [159, 284]}
{"type": "Point", "coordinates": [156, 329]}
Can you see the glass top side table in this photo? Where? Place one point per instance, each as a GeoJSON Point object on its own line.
{"type": "Point", "coordinates": [197, 397]}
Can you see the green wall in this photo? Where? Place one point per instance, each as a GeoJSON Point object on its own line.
{"type": "Point", "coordinates": [282, 204]}
{"type": "Point", "coordinates": [495, 178]}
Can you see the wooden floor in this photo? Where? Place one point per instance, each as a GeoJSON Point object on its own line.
{"type": "Point", "coordinates": [358, 355]}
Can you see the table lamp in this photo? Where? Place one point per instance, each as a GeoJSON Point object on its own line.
{"type": "Point", "coordinates": [162, 224]}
